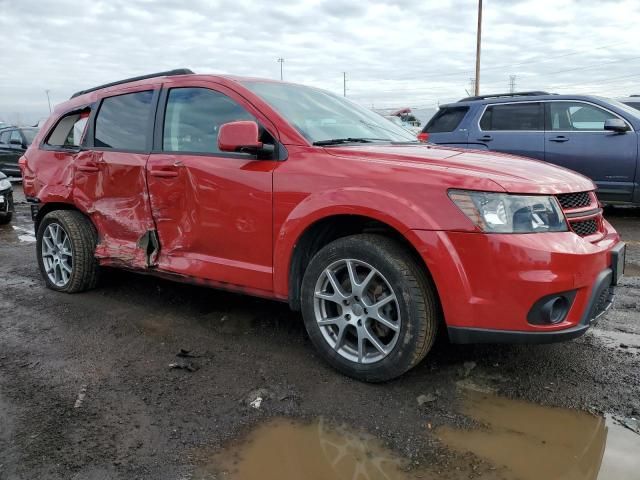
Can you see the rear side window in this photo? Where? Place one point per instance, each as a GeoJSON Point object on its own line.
{"type": "Point", "coordinates": [123, 122]}
{"type": "Point", "coordinates": [514, 116]}
{"type": "Point", "coordinates": [69, 131]}
{"type": "Point", "coordinates": [446, 120]}
{"type": "Point", "coordinates": [4, 136]}
{"type": "Point", "coordinates": [193, 119]}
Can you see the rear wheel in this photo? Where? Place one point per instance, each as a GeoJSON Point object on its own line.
{"type": "Point", "coordinates": [66, 242]}
{"type": "Point", "coordinates": [5, 218]}
{"type": "Point", "coordinates": [369, 307]}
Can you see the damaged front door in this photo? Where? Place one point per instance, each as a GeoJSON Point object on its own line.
{"type": "Point", "coordinates": [213, 209]}
{"type": "Point", "coordinates": [110, 179]}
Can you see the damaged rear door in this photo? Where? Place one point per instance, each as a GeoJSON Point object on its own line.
{"type": "Point", "coordinates": [110, 177]}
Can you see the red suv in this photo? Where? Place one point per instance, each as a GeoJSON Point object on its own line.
{"type": "Point", "coordinates": [292, 193]}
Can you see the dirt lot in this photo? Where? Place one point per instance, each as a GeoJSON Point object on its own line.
{"type": "Point", "coordinates": [86, 390]}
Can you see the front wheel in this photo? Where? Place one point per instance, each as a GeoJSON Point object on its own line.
{"type": "Point", "coordinates": [369, 307]}
{"type": "Point", "coordinates": [66, 242]}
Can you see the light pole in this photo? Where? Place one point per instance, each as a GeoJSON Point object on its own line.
{"type": "Point", "coordinates": [478, 41]}
{"type": "Point", "coordinates": [48, 100]}
{"type": "Point", "coordinates": [281, 62]}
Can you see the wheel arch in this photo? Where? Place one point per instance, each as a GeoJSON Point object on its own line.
{"type": "Point", "coordinates": [53, 206]}
{"type": "Point", "coordinates": [324, 230]}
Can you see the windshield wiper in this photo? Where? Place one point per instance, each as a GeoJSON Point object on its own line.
{"type": "Point", "coordinates": [336, 141]}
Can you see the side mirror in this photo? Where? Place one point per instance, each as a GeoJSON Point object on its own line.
{"type": "Point", "coordinates": [616, 125]}
{"type": "Point", "coordinates": [242, 136]}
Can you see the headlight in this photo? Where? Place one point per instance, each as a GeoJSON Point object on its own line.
{"type": "Point", "coordinates": [505, 213]}
{"type": "Point", "coordinates": [5, 184]}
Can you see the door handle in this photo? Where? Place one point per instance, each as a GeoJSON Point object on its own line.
{"type": "Point", "coordinates": [163, 173]}
{"type": "Point", "coordinates": [88, 167]}
{"type": "Point", "coordinates": [486, 138]}
{"type": "Point", "coordinates": [559, 139]}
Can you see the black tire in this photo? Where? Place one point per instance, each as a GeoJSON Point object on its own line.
{"type": "Point", "coordinates": [5, 218]}
{"type": "Point", "coordinates": [417, 302]}
{"type": "Point", "coordinates": [82, 236]}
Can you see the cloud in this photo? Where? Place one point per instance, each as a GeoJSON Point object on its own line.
{"type": "Point", "coordinates": [395, 53]}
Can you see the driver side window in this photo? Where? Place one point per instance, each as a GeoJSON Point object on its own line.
{"type": "Point", "coordinates": [576, 116]}
{"type": "Point", "coordinates": [193, 118]}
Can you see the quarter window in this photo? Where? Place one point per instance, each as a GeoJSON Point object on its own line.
{"type": "Point", "coordinates": [123, 122]}
{"type": "Point", "coordinates": [446, 119]}
{"type": "Point", "coordinates": [513, 116]}
{"type": "Point", "coordinates": [69, 131]}
{"type": "Point", "coordinates": [193, 119]}
{"type": "Point", "coordinates": [576, 116]}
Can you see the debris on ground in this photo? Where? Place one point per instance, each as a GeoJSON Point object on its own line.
{"type": "Point", "coordinates": [186, 354]}
{"type": "Point", "coordinates": [189, 366]}
{"type": "Point", "coordinates": [81, 396]}
{"type": "Point", "coordinates": [256, 403]}
{"type": "Point", "coordinates": [428, 398]}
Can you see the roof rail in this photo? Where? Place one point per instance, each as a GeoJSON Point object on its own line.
{"type": "Point", "coordinates": [499, 95]}
{"type": "Point", "coordinates": [168, 73]}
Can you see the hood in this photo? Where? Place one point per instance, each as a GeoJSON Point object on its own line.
{"type": "Point", "coordinates": [512, 173]}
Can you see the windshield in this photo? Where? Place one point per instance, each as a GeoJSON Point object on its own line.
{"type": "Point", "coordinates": [29, 134]}
{"type": "Point", "coordinates": [322, 116]}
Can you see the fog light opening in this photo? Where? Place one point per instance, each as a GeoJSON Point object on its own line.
{"type": "Point", "coordinates": [558, 309]}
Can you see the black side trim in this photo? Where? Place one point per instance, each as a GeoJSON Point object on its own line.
{"type": "Point", "coordinates": [168, 73]}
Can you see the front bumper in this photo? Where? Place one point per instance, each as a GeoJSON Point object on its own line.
{"type": "Point", "coordinates": [488, 283]}
{"type": "Point", "coordinates": [6, 201]}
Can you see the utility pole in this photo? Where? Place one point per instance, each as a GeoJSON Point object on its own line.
{"type": "Point", "coordinates": [281, 62]}
{"type": "Point", "coordinates": [344, 83]}
{"type": "Point", "coordinates": [478, 42]}
{"type": "Point", "coordinates": [48, 100]}
{"type": "Point", "coordinates": [512, 83]}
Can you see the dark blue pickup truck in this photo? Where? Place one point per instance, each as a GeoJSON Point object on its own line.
{"type": "Point", "coordinates": [595, 136]}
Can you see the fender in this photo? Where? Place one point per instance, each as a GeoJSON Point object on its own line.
{"type": "Point", "coordinates": [399, 213]}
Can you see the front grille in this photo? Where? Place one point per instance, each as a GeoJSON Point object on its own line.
{"type": "Point", "coordinates": [585, 227]}
{"type": "Point", "coordinates": [569, 201]}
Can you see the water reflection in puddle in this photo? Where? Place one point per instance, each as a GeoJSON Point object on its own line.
{"type": "Point", "coordinates": [517, 440]}
{"type": "Point", "coordinates": [285, 450]}
{"type": "Point", "coordinates": [533, 442]}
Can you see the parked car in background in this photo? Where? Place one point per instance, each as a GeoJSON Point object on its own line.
{"type": "Point", "coordinates": [595, 136]}
{"type": "Point", "coordinates": [4, 125]}
{"type": "Point", "coordinates": [296, 194]}
{"type": "Point", "coordinates": [14, 141]}
{"type": "Point", "coordinates": [6, 200]}
{"type": "Point", "coordinates": [632, 101]}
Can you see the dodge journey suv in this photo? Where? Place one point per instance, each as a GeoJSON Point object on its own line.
{"type": "Point", "coordinates": [295, 194]}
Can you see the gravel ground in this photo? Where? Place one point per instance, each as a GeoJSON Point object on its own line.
{"type": "Point", "coordinates": [86, 390]}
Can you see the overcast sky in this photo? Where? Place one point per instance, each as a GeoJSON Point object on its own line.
{"type": "Point", "coordinates": [396, 53]}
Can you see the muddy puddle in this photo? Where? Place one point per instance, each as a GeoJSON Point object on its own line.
{"type": "Point", "coordinates": [512, 441]}
{"type": "Point", "coordinates": [531, 442]}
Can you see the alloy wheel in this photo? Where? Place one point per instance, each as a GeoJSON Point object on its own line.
{"type": "Point", "coordinates": [357, 311]}
{"type": "Point", "coordinates": [57, 254]}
